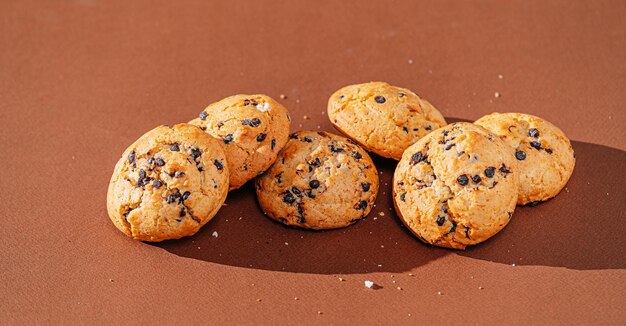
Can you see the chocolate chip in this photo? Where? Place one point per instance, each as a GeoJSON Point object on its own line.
{"type": "Point", "coordinates": [365, 186]}
{"type": "Point", "coordinates": [490, 171]}
{"type": "Point", "coordinates": [467, 232]}
{"type": "Point", "coordinates": [131, 157]}
{"type": "Point", "coordinates": [418, 157]}
{"type": "Point", "coordinates": [429, 127]}
{"type": "Point", "coordinates": [405, 129]}
{"type": "Point", "coordinates": [301, 220]}
{"type": "Point", "coordinates": [175, 148]}
{"type": "Point", "coordinates": [533, 204]}
{"type": "Point", "coordinates": [182, 212]}
{"type": "Point", "coordinates": [228, 138]}
{"type": "Point", "coordinates": [314, 184]}
{"type": "Point", "coordinates": [361, 205]}
{"type": "Point", "coordinates": [260, 137]}
{"type": "Point", "coordinates": [356, 155]}
{"type": "Point", "coordinates": [316, 162]}
{"type": "Point", "coordinates": [203, 128]}
{"type": "Point", "coordinates": [246, 102]}
{"type": "Point", "coordinates": [441, 220]}
{"type": "Point", "coordinates": [142, 174]}
{"type": "Point", "coordinates": [288, 197]}
{"type": "Point", "coordinates": [293, 136]}
{"type": "Point", "coordinates": [549, 150]}
{"type": "Point", "coordinates": [535, 144]}
{"type": "Point", "coordinates": [273, 143]}
{"type": "Point", "coordinates": [463, 180]}
{"type": "Point", "coordinates": [450, 146]}
{"type": "Point", "coordinates": [335, 149]}
{"type": "Point", "coordinates": [532, 132]}
{"type": "Point", "coordinates": [476, 178]}
{"type": "Point", "coordinates": [296, 191]}
{"type": "Point", "coordinates": [203, 115]}
{"type": "Point", "coordinates": [245, 122]}
{"type": "Point", "coordinates": [151, 160]}
{"type": "Point", "coordinates": [453, 226]}
{"type": "Point", "coordinates": [159, 161]}
{"type": "Point", "coordinates": [504, 169]}
{"type": "Point", "coordinates": [255, 122]}
{"type": "Point", "coordinates": [300, 210]}
{"type": "Point", "coordinates": [307, 139]}
{"type": "Point", "coordinates": [179, 174]}
{"type": "Point", "coordinates": [380, 99]}
{"type": "Point", "coordinates": [520, 155]}
{"type": "Point", "coordinates": [401, 95]}
{"type": "Point", "coordinates": [218, 164]}
{"type": "Point", "coordinates": [220, 124]}
{"type": "Point", "coordinates": [196, 153]}
{"type": "Point", "coordinates": [341, 97]}
{"type": "Point", "coordinates": [185, 196]}
{"type": "Point", "coordinates": [310, 194]}
{"type": "Point", "coordinates": [173, 196]}
{"type": "Point", "coordinates": [157, 184]}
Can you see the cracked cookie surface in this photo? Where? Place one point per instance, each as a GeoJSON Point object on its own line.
{"type": "Point", "coordinates": [384, 119]}
{"type": "Point", "coordinates": [319, 181]}
{"type": "Point", "coordinates": [252, 129]}
{"type": "Point", "coordinates": [168, 184]}
{"type": "Point", "coordinates": [457, 186]}
{"type": "Point", "coordinates": [545, 156]}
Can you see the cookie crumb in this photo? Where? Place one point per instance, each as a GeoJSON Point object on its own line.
{"type": "Point", "coordinates": [283, 96]}
{"type": "Point", "coordinates": [399, 288]}
{"type": "Point", "coordinates": [320, 313]}
{"type": "Point", "coordinates": [214, 234]}
{"type": "Point", "coordinates": [411, 274]}
{"type": "Point", "coordinates": [480, 287]}
{"type": "Point", "coordinates": [306, 117]}
{"type": "Point", "coordinates": [297, 101]}
{"type": "Point", "coordinates": [341, 279]}
{"type": "Point", "coordinates": [440, 293]}
{"type": "Point", "coordinates": [258, 300]}
{"type": "Point", "coordinates": [369, 284]}
{"type": "Point", "coordinates": [296, 298]}
{"type": "Point", "coordinates": [111, 280]}
{"type": "Point", "coordinates": [286, 243]}
{"type": "Point", "coordinates": [500, 76]}
{"type": "Point", "coordinates": [381, 213]}
{"type": "Point", "coordinates": [497, 94]}
{"type": "Point", "coordinates": [410, 61]}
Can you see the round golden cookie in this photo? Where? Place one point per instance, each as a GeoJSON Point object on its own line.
{"type": "Point", "coordinates": [319, 181]}
{"type": "Point", "coordinates": [252, 130]}
{"type": "Point", "coordinates": [545, 156]}
{"type": "Point", "coordinates": [168, 184]}
{"type": "Point", "coordinates": [457, 186]}
{"type": "Point", "coordinates": [384, 119]}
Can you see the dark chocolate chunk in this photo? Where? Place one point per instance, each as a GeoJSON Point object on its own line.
{"type": "Point", "coordinates": [174, 148]}
{"type": "Point", "coordinates": [405, 129]}
{"type": "Point", "coordinates": [380, 99]}
{"type": "Point", "coordinates": [288, 197]}
{"type": "Point", "coordinates": [293, 136]}
{"type": "Point", "coordinates": [142, 174]}
{"type": "Point", "coordinates": [157, 184]}
{"type": "Point", "coordinates": [549, 150]}
{"type": "Point", "coordinates": [335, 149]}
{"type": "Point", "coordinates": [185, 196]}
{"type": "Point", "coordinates": [532, 132]}
{"type": "Point", "coordinates": [361, 205]}
{"type": "Point", "coordinates": [356, 155]}
{"type": "Point", "coordinates": [273, 143]}
{"type": "Point", "coordinates": [218, 164]}
{"type": "Point", "coordinates": [449, 146]}
{"type": "Point", "coordinates": [182, 212]}
{"type": "Point", "coordinates": [316, 162]}
{"type": "Point", "coordinates": [307, 139]}
{"type": "Point", "coordinates": [535, 144]}
{"type": "Point", "coordinates": [300, 210]}
{"type": "Point", "coordinates": [467, 232]}
{"type": "Point", "coordinates": [365, 186]}
{"type": "Point", "coordinates": [401, 94]}
{"type": "Point", "coordinates": [452, 226]}
{"type": "Point", "coordinates": [463, 180]}
{"type": "Point", "coordinates": [441, 220]}
{"type": "Point", "coordinates": [228, 138]}
{"type": "Point", "coordinates": [429, 127]}
{"type": "Point", "coordinates": [296, 191]}
{"type": "Point", "coordinates": [314, 184]}
{"type": "Point", "coordinates": [490, 171]}
{"type": "Point", "coordinates": [196, 153]}
{"type": "Point", "coordinates": [418, 157]}
{"type": "Point", "coordinates": [203, 115]}
{"type": "Point", "coordinates": [220, 124]}
{"type": "Point", "coordinates": [476, 178]}
{"type": "Point", "coordinates": [178, 174]}
{"type": "Point", "coordinates": [255, 122]}
{"type": "Point", "coordinates": [534, 203]}
{"type": "Point", "coordinates": [402, 196]}
{"type": "Point", "coordinates": [245, 122]}
{"type": "Point", "coordinates": [504, 169]}
{"type": "Point", "coordinates": [131, 157]}
{"type": "Point", "coordinates": [203, 128]}
{"type": "Point", "coordinates": [520, 155]}
{"type": "Point", "coordinates": [159, 161]}
{"type": "Point", "coordinates": [261, 137]}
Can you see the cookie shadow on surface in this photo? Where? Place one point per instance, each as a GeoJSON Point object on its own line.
{"type": "Point", "coordinates": [583, 228]}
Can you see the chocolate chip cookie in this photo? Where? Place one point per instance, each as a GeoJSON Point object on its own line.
{"type": "Point", "coordinates": [252, 130]}
{"type": "Point", "coordinates": [457, 186]}
{"type": "Point", "coordinates": [168, 184]}
{"type": "Point", "coordinates": [384, 119]}
{"type": "Point", "coordinates": [319, 181]}
{"type": "Point", "coordinates": [545, 156]}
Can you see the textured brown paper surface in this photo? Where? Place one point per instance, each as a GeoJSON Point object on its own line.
{"type": "Point", "coordinates": [81, 80]}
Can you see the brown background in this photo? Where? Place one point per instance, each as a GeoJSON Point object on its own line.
{"type": "Point", "coordinates": [81, 80]}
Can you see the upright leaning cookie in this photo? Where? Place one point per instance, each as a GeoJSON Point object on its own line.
{"type": "Point", "coordinates": [545, 155]}
{"type": "Point", "coordinates": [319, 181]}
{"type": "Point", "coordinates": [252, 130]}
{"type": "Point", "coordinates": [457, 186]}
{"type": "Point", "coordinates": [168, 184]}
{"type": "Point", "coordinates": [382, 118]}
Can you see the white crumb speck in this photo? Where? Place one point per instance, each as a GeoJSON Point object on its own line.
{"type": "Point", "coordinates": [263, 107]}
{"type": "Point", "coordinates": [341, 279]}
{"type": "Point", "coordinates": [497, 94]}
{"type": "Point", "coordinates": [214, 234]}
{"type": "Point", "coordinates": [410, 61]}
{"type": "Point", "coordinates": [369, 284]}
{"type": "Point", "coordinates": [500, 76]}
{"type": "Point", "coordinates": [286, 243]}
{"type": "Point", "coordinates": [380, 265]}
{"type": "Point", "coordinates": [440, 293]}
{"type": "Point", "coordinates": [306, 117]}
{"type": "Point", "coordinates": [381, 213]}
{"type": "Point", "coordinates": [513, 265]}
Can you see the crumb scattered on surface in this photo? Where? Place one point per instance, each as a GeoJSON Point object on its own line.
{"type": "Point", "coordinates": [440, 293]}
{"type": "Point", "coordinates": [286, 243]}
{"type": "Point", "coordinates": [497, 94]}
{"type": "Point", "coordinates": [381, 213]}
{"type": "Point", "coordinates": [480, 287]}
{"type": "Point", "coordinates": [410, 61]}
{"type": "Point", "coordinates": [369, 284]}
{"type": "Point", "coordinates": [297, 101]}
{"type": "Point", "coordinates": [306, 117]}
{"type": "Point", "coordinates": [500, 76]}
{"type": "Point", "coordinates": [341, 279]}
{"type": "Point", "coordinates": [214, 234]}
{"type": "Point", "coordinates": [399, 288]}
{"type": "Point", "coordinates": [258, 300]}
{"type": "Point", "coordinates": [283, 96]}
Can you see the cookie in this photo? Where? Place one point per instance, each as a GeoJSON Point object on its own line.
{"type": "Point", "coordinates": [319, 181]}
{"type": "Point", "coordinates": [168, 184]}
{"type": "Point", "coordinates": [384, 119]}
{"type": "Point", "coordinates": [457, 186]}
{"type": "Point", "coordinates": [252, 130]}
{"type": "Point", "coordinates": [545, 156]}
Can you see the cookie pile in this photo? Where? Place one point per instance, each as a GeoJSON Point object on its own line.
{"type": "Point", "coordinates": [455, 185]}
